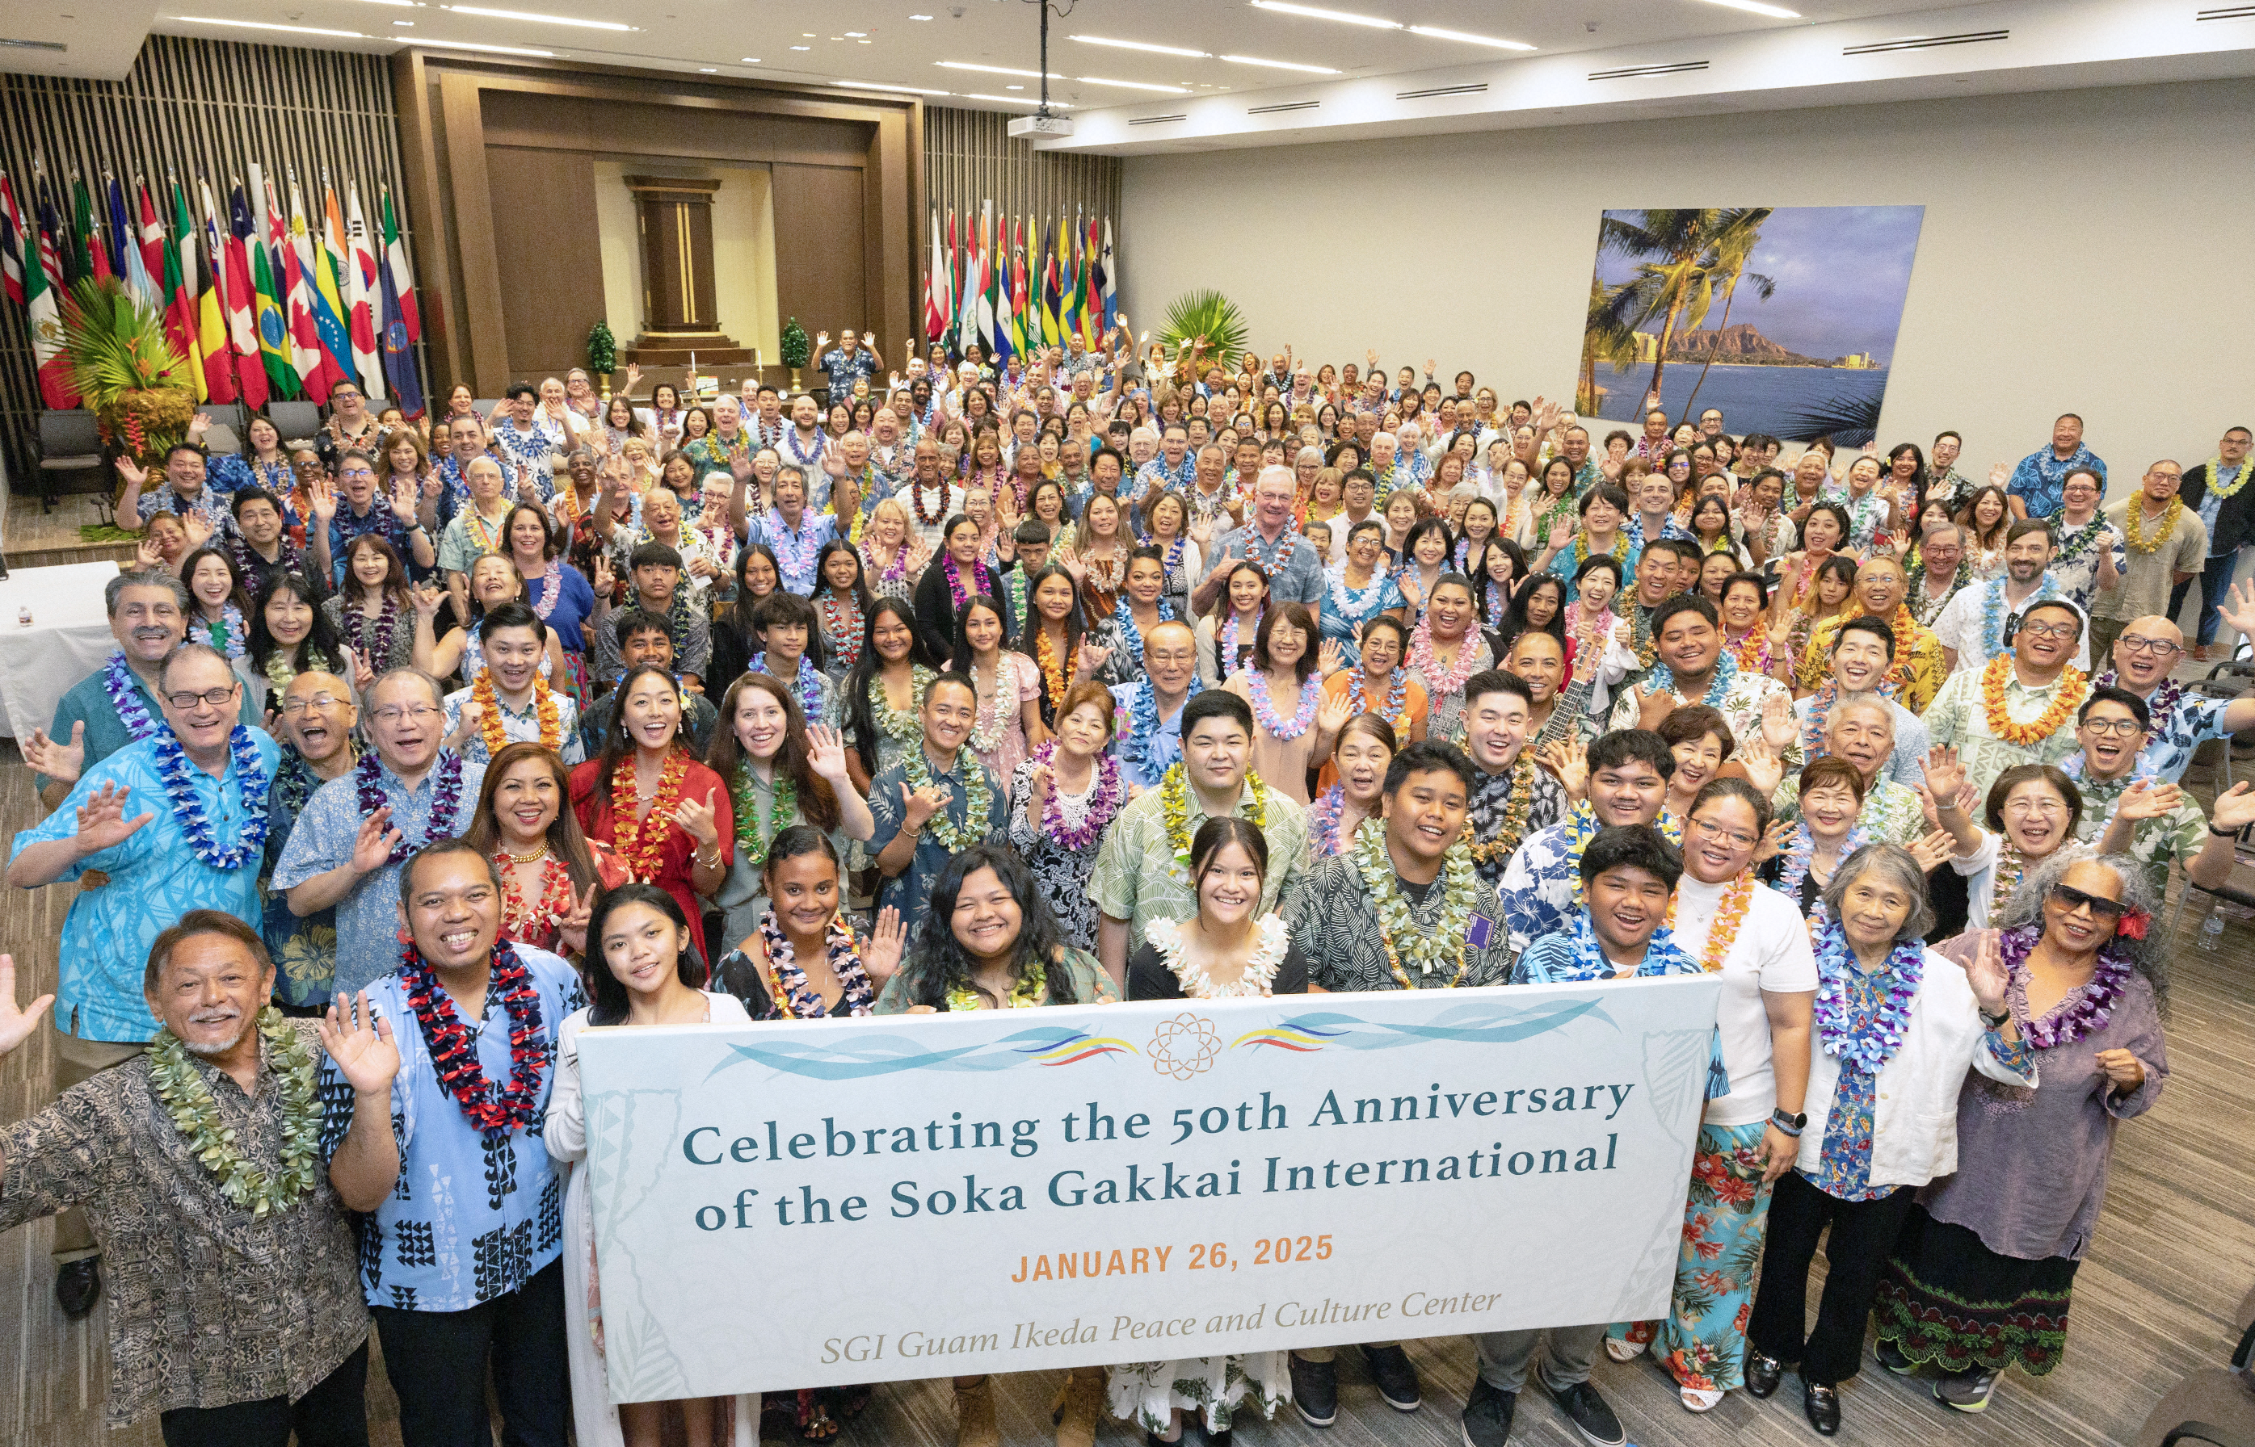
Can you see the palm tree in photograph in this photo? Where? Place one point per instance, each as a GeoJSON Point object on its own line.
{"type": "Point", "coordinates": [1733, 248]}
{"type": "Point", "coordinates": [1607, 336]}
{"type": "Point", "coordinates": [1680, 256]}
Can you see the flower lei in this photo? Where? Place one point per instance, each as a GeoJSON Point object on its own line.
{"type": "Point", "coordinates": [1581, 826]}
{"type": "Point", "coordinates": [377, 634]}
{"type": "Point", "coordinates": [1752, 651]}
{"type": "Point", "coordinates": [535, 921]}
{"type": "Point", "coordinates": [894, 572]}
{"type": "Point", "coordinates": [226, 632]}
{"type": "Point", "coordinates": [1264, 708]}
{"type": "Point", "coordinates": [1588, 960]}
{"type": "Point", "coordinates": [1174, 806]}
{"type": "Point", "coordinates": [195, 1114]}
{"type": "Point", "coordinates": [751, 845]}
{"type": "Point", "coordinates": [1992, 610]}
{"type": "Point", "coordinates": [126, 697]}
{"type": "Point", "coordinates": [2093, 1003]}
{"type": "Point", "coordinates": [796, 555]}
{"type": "Point", "coordinates": [793, 996]}
{"type": "Point", "coordinates": [1272, 941]}
{"type": "Point", "coordinates": [2066, 698]}
{"type": "Point", "coordinates": [2161, 704]}
{"type": "Point", "coordinates": [1143, 719]}
{"type": "Point", "coordinates": [1866, 1043]}
{"type": "Point", "coordinates": [807, 684]}
{"type": "Point", "coordinates": [2215, 470]}
{"type": "Point", "coordinates": [1730, 915]}
{"type": "Point", "coordinates": [1427, 948]}
{"type": "Point", "coordinates": [1323, 820]}
{"type": "Point", "coordinates": [1800, 853]}
{"type": "Point", "coordinates": [1105, 796]}
{"type": "Point", "coordinates": [446, 798]}
{"type": "Point", "coordinates": [453, 1049]}
{"type": "Point", "coordinates": [640, 843]}
{"type": "Point", "coordinates": [901, 725]}
{"type": "Point", "coordinates": [1619, 550]}
{"type": "Point", "coordinates": [1356, 604]}
{"type": "Point", "coordinates": [1663, 680]}
{"type": "Point", "coordinates": [1026, 994]}
{"type": "Point", "coordinates": [916, 504]}
{"type": "Point", "coordinates": [1131, 637]}
{"type": "Point", "coordinates": [180, 789]}
{"type": "Point", "coordinates": [1439, 682]}
{"type": "Point", "coordinates": [2139, 540]}
{"type": "Point", "coordinates": [1056, 672]}
{"type": "Point", "coordinates": [954, 574]}
{"type": "Point", "coordinates": [846, 640]}
{"type": "Point", "coordinates": [1495, 835]}
{"type": "Point", "coordinates": [1397, 692]}
{"type": "Point", "coordinates": [2074, 544]}
{"type": "Point", "coordinates": [490, 727]}
{"type": "Point", "coordinates": [2011, 867]}
{"type": "Point", "coordinates": [978, 801]}
{"type": "Point", "coordinates": [999, 709]}
{"type": "Point", "coordinates": [1226, 643]}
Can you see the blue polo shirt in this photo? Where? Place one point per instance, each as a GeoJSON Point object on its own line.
{"type": "Point", "coordinates": [88, 702]}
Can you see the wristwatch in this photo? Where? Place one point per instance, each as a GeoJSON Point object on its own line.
{"type": "Point", "coordinates": [1996, 1021]}
{"type": "Point", "coordinates": [1788, 1122]}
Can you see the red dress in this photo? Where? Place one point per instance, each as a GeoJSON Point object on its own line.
{"type": "Point", "coordinates": [700, 783]}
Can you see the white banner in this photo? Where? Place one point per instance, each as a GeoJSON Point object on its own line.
{"type": "Point", "coordinates": [804, 1204]}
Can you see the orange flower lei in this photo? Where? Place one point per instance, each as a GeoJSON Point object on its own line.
{"type": "Point", "coordinates": [489, 713]}
{"type": "Point", "coordinates": [1056, 673]}
{"type": "Point", "coordinates": [642, 852]}
{"type": "Point", "coordinates": [1738, 898]}
{"type": "Point", "coordinates": [2072, 687]}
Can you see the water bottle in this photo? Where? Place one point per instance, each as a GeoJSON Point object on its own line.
{"type": "Point", "coordinates": [2211, 930]}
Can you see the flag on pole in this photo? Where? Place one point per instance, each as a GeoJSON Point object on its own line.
{"type": "Point", "coordinates": [1108, 274]}
{"type": "Point", "coordinates": [179, 299]}
{"type": "Point", "coordinates": [1050, 334]}
{"type": "Point", "coordinates": [989, 297]}
{"type": "Point", "coordinates": [11, 241]}
{"type": "Point", "coordinates": [125, 254]}
{"type": "Point", "coordinates": [207, 303]}
{"type": "Point", "coordinates": [1068, 312]}
{"type": "Point", "coordinates": [935, 264]}
{"type": "Point", "coordinates": [269, 285]}
{"type": "Point", "coordinates": [1092, 289]}
{"type": "Point", "coordinates": [92, 257]}
{"type": "Point", "coordinates": [967, 307]}
{"type": "Point", "coordinates": [1005, 308]}
{"type": "Point", "coordinates": [402, 280]}
{"type": "Point", "coordinates": [1025, 331]}
{"type": "Point", "coordinates": [946, 265]}
{"type": "Point", "coordinates": [237, 295]}
{"type": "Point", "coordinates": [150, 236]}
{"type": "Point", "coordinates": [42, 266]}
{"type": "Point", "coordinates": [396, 313]}
{"type": "Point", "coordinates": [333, 272]}
{"type": "Point", "coordinates": [364, 298]}
{"type": "Point", "coordinates": [295, 243]}
{"type": "Point", "coordinates": [321, 250]}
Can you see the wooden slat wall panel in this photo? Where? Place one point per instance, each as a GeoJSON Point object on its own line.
{"type": "Point", "coordinates": [199, 109]}
{"type": "Point", "coordinates": [970, 159]}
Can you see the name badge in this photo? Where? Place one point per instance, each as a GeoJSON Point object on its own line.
{"type": "Point", "coordinates": [1477, 935]}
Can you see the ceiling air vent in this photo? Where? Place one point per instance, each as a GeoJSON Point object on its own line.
{"type": "Point", "coordinates": [1633, 71]}
{"type": "Point", "coordinates": [1290, 105]}
{"type": "Point", "coordinates": [1158, 120]}
{"type": "Point", "coordinates": [7, 43]}
{"type": "Point", "coordinates": [1439, 90]}
{"type": "Point", "coordinates": [1924, 42]}
{"type": "Point", "coordinates": [2228, 12]}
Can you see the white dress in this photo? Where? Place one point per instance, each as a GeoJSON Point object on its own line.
{"type": "Point", "coordinates": [595, 1420]}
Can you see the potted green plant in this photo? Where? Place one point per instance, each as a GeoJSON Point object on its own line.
{"type": "Point", "coordinates": [1207, 318]}
{"type": "Point", "coordinates": [133, 379]}
{"type": "Point", "coordinates": [602, 353]}
{"type": "Point", "coordinates": [797, 350]}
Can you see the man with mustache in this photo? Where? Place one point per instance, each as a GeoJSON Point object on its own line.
{"type": "Point", "coordinates": [237, 1323]}
{"type": "Point", "coordinates": [171, 824]}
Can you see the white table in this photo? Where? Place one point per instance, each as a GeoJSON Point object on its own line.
{"type": "Point", "coordinates": [68, 639]}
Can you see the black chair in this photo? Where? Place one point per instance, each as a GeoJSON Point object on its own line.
{"type": "Point", "coordinates": [296, 421]}
{"type": "Point", "coordinates": [230, 424]}
{"type": "Point", "coordinates": [2215, 1405]}
{"type": "Point", "coordinates": [70, 442]}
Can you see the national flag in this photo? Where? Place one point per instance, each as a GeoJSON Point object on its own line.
{"type": "Point", "coordinates": [151, 237]}
{"type": "Point", "coordinates": [1051, 333]}
{"type": "Point", "coordinates": [1092, 300]}
{"type": "Point", "coordinates": [41, 268]}
{"type": "Point", "coordinates": [268, 285]}
{"type": "Point", "coordinates": [1025, 332]}
{"type": "Point", "coordinates": [1005, 318]}
{"type": "Point", "coordinates": [207, 308]}
{"type": "Point", "coordinates": [990, 298]}
{"type": "Point", "coordinates": [295, 244]}
{"type": "Point", "coordinates": [935, 263]}
{"type": "Point", "coordinates": [12, 238]}
{"type": "Point", "coordinates": [1108, 280]}
{"type": "Point", "coordinates": [402, 278]}
{"type": "Point", "coordinates": [364, 298]}
{"type": "Point", "coordinates": [319, 252]}
{"type": "Point", "coordinates": [179, 299]}
{"type": "Point", "coordinates": [125, 256]}
{"type": "Point", "coordinates": [946, 266]}
{"type": "Point", "coordinates": [392, 313]}
{"type": "Point", "coordinates": [967, 309]}
{"type": "Point", "coordinates": [237, 293]}
{"type": "Point", "coordinates": [1068, 313]}
{"type": "Point", "coordinates": [332, 262]}
{"type": "Point", "coordinates": [92, 257]}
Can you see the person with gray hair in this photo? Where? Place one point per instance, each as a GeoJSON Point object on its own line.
{"type": "Point", "coordinates": [172, 823]}
{"type": "Point", "coordinates": [1981, 1275]}
{"type": "Point", "coordinates": [116, 705]}
{"type": "Point", "coordinates": [356, 830]}
{"type": "Point", "coordinates": [1897, 1027]}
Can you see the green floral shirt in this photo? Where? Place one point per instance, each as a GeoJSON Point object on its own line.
{"type": "Point", "coordinates": [1138, 879]}
{"type": "Point", "coordinates": [2175, 836]}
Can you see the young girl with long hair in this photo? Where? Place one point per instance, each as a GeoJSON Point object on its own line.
{"type": "Point", "coordinates": [1008, 685]}
{"type": "Point", "coordinates": [373, 612]}
{"type": "Point", "coordinates": [885, 691]}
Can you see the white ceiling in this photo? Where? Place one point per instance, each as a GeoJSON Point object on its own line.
{"type": "Point", "coordinates": [879, 41]}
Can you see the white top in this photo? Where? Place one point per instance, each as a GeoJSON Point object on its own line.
{"type": "Point", "coordinates": [564, 1129]}
{"type": "Point", "coordinates": [1960, 624]}
{"type": "Point", "coordinates": [1770, 955]}
{"type": "Point", "coordinates": [1980, 871]}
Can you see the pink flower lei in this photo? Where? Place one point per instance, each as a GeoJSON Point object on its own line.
{"type": "Point", "coordinates": [1264, 711]}
{"type": "Point", "coordinates": [1106, 795]}
{"type": "Point", "coordinates": [1440, 684]}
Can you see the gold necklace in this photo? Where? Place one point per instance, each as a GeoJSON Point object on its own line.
{"type": "Point", "coordinates": [534, 857]}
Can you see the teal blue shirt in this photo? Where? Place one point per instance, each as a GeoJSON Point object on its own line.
{"type": "Point", "coordinates": [88, 702]}
{"type": "Point", "coordinates": [154, 879]}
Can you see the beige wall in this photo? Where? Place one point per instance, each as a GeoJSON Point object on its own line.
{"type": "Point", "coordinates": [743, 251]}
{"type": "Point", "coordinates": [2088, 251]}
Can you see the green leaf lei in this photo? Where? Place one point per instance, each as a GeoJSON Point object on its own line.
{"type": "Point", "coordinates": [978, 801]}
{"type": "Point", "coordinates": [903, 725]}
{"type": "Point", "coordinates": [195, 1114]}
{"type": "Point", "coordinates": [1028, 993]}
{"type": "Point", "coordinates": [751, 847]}
{"type": "Point", "coordinates": [1424, 947]}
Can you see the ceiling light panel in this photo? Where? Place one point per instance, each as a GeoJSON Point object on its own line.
{"type": "Point", "coordinates": [994, 69]}
{"type": "Point", "coordinates": [1279, 64]}
{"type": "Point", "coordinates": [1434, 32]}
{"type": "Point", "coordinates": [1775, 12]}
{"type": "Point", "coordinates": [1132, 85]}
{"type": "Point", "coordinates": [1313, 12]}
{"type": "Point", "coordinates": [536, 19]}
{"type": "Point", "coordinates": [883, 85]}
{"type": "Point", "coordinates": [1142, 45]}
{"type": "Point", "coordinates": [1016, 100]}
{"type": "Point", "coordinates": [488, 49]}
{"type": "Point", "coordinates": [259, 25]}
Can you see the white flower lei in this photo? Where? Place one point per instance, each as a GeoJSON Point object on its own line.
{"type": "Point", "coordinates": [1272, 942]}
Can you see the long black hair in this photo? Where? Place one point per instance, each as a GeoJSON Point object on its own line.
{"type": "Point", "coordinates": [962, 652]}
{"type": "Point", "coordinates": [1515, 617]}
{"type": "Point", "coordinates": [607, 995]}
{"type": "Point", "coordinates": [860, 572]}
{"type": "Point", "coordinates": [616, 744]}
{"type": "Point", "coordinates": [1029, 636]}
{"type": "Point", "coordinates": [321, 643]}
{"type": "Point", "coordinates": [938, 963]}
{"type": "Point", "coordinates": [861, 720]}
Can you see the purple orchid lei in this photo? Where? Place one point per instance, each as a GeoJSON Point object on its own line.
{"type": "Point", "coordinates": [1106, 796]}
{"type": "Point", "coordinates": [446, 798]}
{"type": "Point", "coordinates": [2093, 1005]}
{"type": "Point", "coordinates": [1869, 1043]}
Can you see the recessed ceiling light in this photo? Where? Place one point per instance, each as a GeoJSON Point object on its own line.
{"type": "Point", "coordinates": [407, 24]}
{"type": "Point", "coordinates": [1279, 64]}
{"type": "Point", "coordinates": [541, 19]}
{"type": "Point", "coordinates": [1133, 85]}
{"type": "Point", "coordinates": [1015, 100]}
{"type": "Point", "coordinates": [855, 34]}
{"type": "Point", "coordinates": [707, 70]}
{"type": "Point", "coordinates": [993, 69]}
{"type": "Point", "coordinates": [1775, 12]}
{"type": "Point", "coordinates": [1138, 45]}
{"type": "Point", "coordinates": [751, 60]}
{"type": "Point", "coordinates": [1434, 32]}
{"type": "Point", "coordinates": [801, 47]}
{"type": "Point", "coordinates": [488, 49]}
{"type": "Point", "coordinates": [881, 85]}
{"type": "Point", "coordinates": [1312, 12]}
{"type": "Point", "coordinates": [1013, 87]}
{"type": "Point", "coordinates": [257, 25]}
{"type": "Point", "coordinates": [919, 17]}
{"type": "Point", "coordinates": [402, 4]}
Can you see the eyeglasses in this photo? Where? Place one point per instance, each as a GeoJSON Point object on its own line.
{"type": "Point", "coordinates": [2158, 647]}
{"type": "Point", "coordinates": [213, 696]}
{"type": "Point", "coordinates": [1717, 831]}
{"type": "Point", "coordinates": [2051, 630]}
{"type": "Point", "coordinates": [2070, 898]}
{"type": "Point", "coordinates": [2121, 728]}
{"type": "Point", "coordinates": [322, 701]}
{"type": "Point", "coordinates": [396, 713]}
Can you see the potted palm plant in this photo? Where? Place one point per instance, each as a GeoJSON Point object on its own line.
{"type": "Point", "coordinates": [602, 355]}
{"type": "Point", "coordinates": [797, 350]}
{"type": "Point", "coordinates": [132, 378]}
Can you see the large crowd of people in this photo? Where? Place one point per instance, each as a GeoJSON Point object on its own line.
{"type": "Point", "coordinates": [428, 744]}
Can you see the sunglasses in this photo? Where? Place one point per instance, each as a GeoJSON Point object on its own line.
{"type": "Point", "coordinates": [2071, 898]}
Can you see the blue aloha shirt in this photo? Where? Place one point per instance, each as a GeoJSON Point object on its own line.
{"type": "Point", "coordinates": [910, 891]}
{"type": "Point", "coordinates": [154, 879]}
{"type": "Point", "coordinates": [304, 949]}
{"type": "Point", "coordinates": [368, 918]}
{"type": "Point", "coordinates": [535, 452]}
{"type": "Point", "coordinates": [2176, 731]}
{"type": "Point", "coordinates": [1346, 609]}
{"type": "Point", "coordinates": [2040, 481]}
{"type": "Point", "coordinates": [470, 1218]}
{"type": "Point", "coordinates": [1294, 564]}
{"type": "Point", "coordinates": [1541, 883]}
{"type": "Point", "coordinates": [796, 550]}
{"type": "Point", "coordinates": [518, 728]}
{"type": "Point", "coordinates": [211, 504]}
{"type": "Point", "coordinates": [1634, 527]}
{"type": "Point", "coordinates": [2075, 565]}
{"type": "Point", "coordinates": [1570, 956]}
{"type": "Point", "coordinates": [844, 369]}
{"type": "Point", "coordinates": [1156, 475]}
{"type": "Point", "coordinates": [345, 529]}
{"type": "Point", "coordinates": [1565, 564]}
{"type": "Point", "coordinates": [1161, 751]}
{"type": "Point", "coordinates": [88, 703]}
